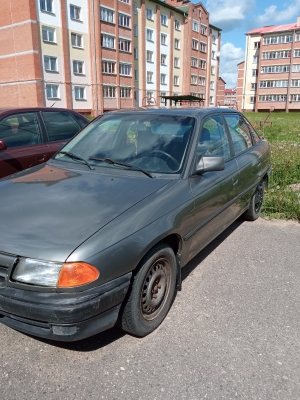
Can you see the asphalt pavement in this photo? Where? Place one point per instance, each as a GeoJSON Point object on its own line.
{"type": "Point", "coordinates": [233, 332]}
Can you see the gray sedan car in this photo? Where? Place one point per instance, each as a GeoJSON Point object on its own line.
{"type": "Point", "coordinates": [98, 235]}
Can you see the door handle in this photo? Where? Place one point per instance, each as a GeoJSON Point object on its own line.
{"type": "Point", "coordinates": [41, 158]}
{"type": "Point", "coordinates": [235, 181]}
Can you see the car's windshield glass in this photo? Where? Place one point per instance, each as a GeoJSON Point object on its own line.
{"type": "Point", "coordinates": [156, 143]}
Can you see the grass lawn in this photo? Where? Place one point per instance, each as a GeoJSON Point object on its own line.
{"type": "Point", "coordinates": [282, 199]}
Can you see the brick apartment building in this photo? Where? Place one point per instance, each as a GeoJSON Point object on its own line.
{"type": "Point", "coordinates": [270, 75]}
{"type": "Point", "coordinates": [92, 55]}
{"type": "Point", "coordinates": [230, 97]}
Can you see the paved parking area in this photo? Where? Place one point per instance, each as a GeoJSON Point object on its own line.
{"type": "Point", "coordinates": [232, 333]}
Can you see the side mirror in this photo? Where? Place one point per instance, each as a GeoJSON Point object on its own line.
{"type": "Point", "coordinates": [209, 164]}
{"type": "Point", "coordinates": [3, 145]}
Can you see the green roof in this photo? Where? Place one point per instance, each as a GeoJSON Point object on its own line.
{"type": "Point", "coordinates": [215, 27]}
{"type": "Point", "coordinates": [162, 3]}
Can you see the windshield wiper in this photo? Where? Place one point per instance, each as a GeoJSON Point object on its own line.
{"type": "Point", "coordinates": [75, 157]}
{"type": "Point", "coordinates": [109, 161]}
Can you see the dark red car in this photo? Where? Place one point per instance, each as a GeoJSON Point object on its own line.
{"type": "Point", "coordinates": [30, 136]}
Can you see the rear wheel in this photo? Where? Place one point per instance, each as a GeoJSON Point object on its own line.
{"type": "Point", "coordinates": [152, 292]}
{"type": "Point", "coordinates": [256, 203]}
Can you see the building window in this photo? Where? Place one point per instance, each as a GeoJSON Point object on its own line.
{"type": "Point", "coordinates": [255, 59]}
{"type": "Point", "coordinates": [163, 39]}
{"type": "Point", "coordinates": [177, 25]}
{"type": "Point", "coordinates": [193, 79]}
{"type": "Point", "coordinates": [254, 72]}
{"type": "Point", "coordinates": [252, 99]}
{"type": "Point", "coordinates": [150, 35]}
{"type": "Point", "coordinates": [213, 55]}
{"type": "Point", "coordinates": [125, 45]}
{"type": "Point", "coordinates": [75, 12]}
{"type": "Point", "coordinates": [125, 69]}
{"type": "Point", "coordinates": [203, 29]}
{"type": "Point", "coordinates": [211, 99]}
{"type": "Point", "coordinates": [108, 41]}
{"type": "Point", "coordinates": [149, 96]}
{"type": "Point", "coordinates": [212, 85]}
{"type": "Point", "coordinates": [48, 34]}
{"type": "Point", "coordinates": [136, 76]}
{"type": "Point", "coordinates": [274, 69]}
{"type": "Point", "coordinates": [194, 44]}
{"type": "Point", "coordinates": [176, 80]}
{"type": "Point", "coordinates": [295, 97]}
{"type": "Point", "coordinates": [201, 81]}
{"type": "Point", "coordinates": [125, 93]}
{"type": "Point", "coordinates": [124, 20]}
{"type": "Point", "coordinates": [296, 68]}
{"type": "Point", "coordinates": [295, 83]}
{"type": "Point", "coordinates": [149, 77]}
{"type": "Point", "coordinates": [213, 70]}
{"type": "Point", "coordinates": [253, 86]}
{"type": "Point", "coordinates": [108, 67]}
{"type": "Point", "coordinates": [79, 93]}
{"type": "Point", "coordinates": [194, 62]}
{"type": "Point", "coordinates": [135, 53]}
{"type": "Point", "coordinates": [46, 5]}
{"type": "Point", "coordinates": [149, 56]}
{"type": "Point", "coordinates": [76, 40]}
{"type": "Point", "coordinates": [203, 47]}
{"type": "Point", "coordinates": [163, 79]}
{"type": "Point", "coordinates": [202, 64]}
{"type": "Point", "coordinates": [195, 26]}
{"type": "Point", "coordinates": [162, 100]}
{"type": "Point", "coordinates": [214, 39]}
{"type": "Point", "coordinates": [272, 84]}
{"type": "Point", "coordinates": [276, 54]}
{"type": "Point", "coordinates": [278, 39]}
{"type": "Point", "coordinates": [163, 59]}
{"type": "Point", "coordinates": [297, 39]}
{"type": "Point", "coordinates": [177, 44]}
{"type": "Point", "coordinates": [297, 53]}
{"type": "Point", "coordinates": [273, 97]}
{"type": "Point", "coordinates": [124, 1]}
{"type": "Point", "coordinates": [50, 63]}
{"type": "Point", "coordinates": [78, 67]}
{"type": "Point", "coordinates": [134, 7]}
{"type": "Point", "coordinates": [107, 15]}
{"type": "Point", "coordinates": [52, 91]}
{"type": "Point", "coordinates": [135, 30]}
{"type": "Point", "coordinates": [256, 45]}
{"type": "Point", "coordinates": [164, 20]}
{"type": "Point", "coordinates": [176, 62]}
{"type": "Point", "coordinates": [149, 14]}
{"type": "Point", "coordinates": [109, 91]}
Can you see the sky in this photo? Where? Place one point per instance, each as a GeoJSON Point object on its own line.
{"type": "Point", "coordinates": [236, 17]}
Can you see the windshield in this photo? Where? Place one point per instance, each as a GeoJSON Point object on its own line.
{"type": "Point", "coordinates": [156, 143]}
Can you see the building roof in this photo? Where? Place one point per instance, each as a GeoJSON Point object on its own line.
{"type": "Point", "coordinates": [274, 29]}
{"type": "Point", "coordinates": [230, 91]}
{"type": "Point", "coordinates": [215, 27]}
{"type": "Point", "coordinates": [162, 3]}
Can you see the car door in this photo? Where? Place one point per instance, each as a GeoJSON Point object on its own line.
{"type": "Point", "coordinates": [213, 192]}
{"type": "Point", "coordinates": [60, 126]}
{"type": "Point", "coordinates": [25, 143]}
{"type": "Point", "coordinates": [247, 157]}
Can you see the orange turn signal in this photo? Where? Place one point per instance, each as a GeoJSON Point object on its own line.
{"type": "Point", "coordinates": [77, 274]}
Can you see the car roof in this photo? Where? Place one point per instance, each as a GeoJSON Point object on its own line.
{"type": "Point", "coordinates": [190, 111]}
{"type": "Point", "coordinates": [8, 111]}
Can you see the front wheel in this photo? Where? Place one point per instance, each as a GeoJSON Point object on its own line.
{"type": "Point", "coordinates": [256, 203]}
{"type": "Point", "coordinates": [152, 292]}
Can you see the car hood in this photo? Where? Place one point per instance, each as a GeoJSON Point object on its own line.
{"type": "Point", "coordinates": [47, 212]}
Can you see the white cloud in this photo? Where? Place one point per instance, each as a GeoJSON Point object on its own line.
{"type": "Point", "coordinates": [274, 16]}
{"type": "Point", "coordinates": [229, 14]}
{"type": "Point", "coordinates": [230, 57]}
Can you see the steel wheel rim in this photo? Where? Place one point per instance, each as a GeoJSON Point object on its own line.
{"type": "Point", "coordinates": [155, 289]}
{"type": "Point", "coordinates": [258, 199]}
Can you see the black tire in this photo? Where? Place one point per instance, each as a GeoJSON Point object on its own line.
{"type": "Point", "coordinates": [151, 294]}
{"type": "Point", "coordinates": [256, 203]}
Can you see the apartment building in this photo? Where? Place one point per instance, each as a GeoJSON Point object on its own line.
{"type": "Point", "coordinates": [99, 55]}
{"type": "Point", "coordinates": [230, 97]}
{"type": "Point", "coordinates": [270, 75]}
{"type": "Point", "coordinates": [221, 92]}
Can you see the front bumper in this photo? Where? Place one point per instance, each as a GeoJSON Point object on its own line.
{"type": "Point", "coordinates": [63, 316]}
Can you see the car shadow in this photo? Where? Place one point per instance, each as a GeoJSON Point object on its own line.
{"type": "Point", "coordinates": [105, 338]}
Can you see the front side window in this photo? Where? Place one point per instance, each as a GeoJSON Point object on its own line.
{"type": "Point", "coordinates": [79, 93]}
{"type": "Point", "coordinates": [109, 91]}
{"type": "Point", "coordinates": [149, 56]}
{"type": "Point", "coordinates": [124, 20]}
{"type": "Point", "coordinates": [149, 35]}
{"type": "Point", "coordinates": [149, 77]}
{"type": "Point", "coordinates": [108, 67]}
{"type": "Point", "coordinates": [177, 44]}
{"type": "Point", "coordinates": [20, 130]}
{"type": "Point", "coordinates": [125, 93]}
{"type": "Point", "coordinates": [149, 14]}
{"type": "Point", "coordinates": [213, 139]}
{"type": "Point", "coordinates": [157, 143]}
{"type": "Point", "coordinates": [176, 62]}
{"type": "Point", "coordinates": [164, 20]}
{"type": "Point", "coordinates": [107, 15]}
{"type": "Point", "coordinates": [125, 69]}
{"type": "Point", "coordinates": [52, 91]}
{"type": "Point", "coordinates": [163, 39]}
{"type": "Point", "coordinates": [163, 59]}
{"type": "Point", "coordinates": [163, 79]}
{"type": "Point", "coordinates": [195, 26]}
{"type": "Point", "coordinates": [108, 41]}
{"type": "Point", "coordinates": [76, 40]}
{"type": "Point", "coordinates": [125, 45]}
{"type": "Point", "coordinates": [46, 5]}
{"type": "Point", "coordinates": [78, 67]}
{"type": "Point", "coordinates": [239, 131]}
{"type": "Point", "coordinates": [176, 80]}
{"type": "Point", "coordinates": [177, 25]}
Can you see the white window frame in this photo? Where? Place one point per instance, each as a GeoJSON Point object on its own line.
{"type": "Point", "coordinates": [213, 70]}
{"type": "Point", "coordinates": [176, 62]}
{"type": "Point", "coordinates": [149, 14]}
{"type": "Point", "coordinates": [107, 15]}
{"type": "Point", "coordinates": [77, 66]}
{"type": "Point", "coordinates": [203, 47]}
{"type": "Point", "coordinates": [194, 62]}
{"type": "Point", "coordinates": [149, 77]}
{"type": "Point", "coordinates": [48, 6]}
{"type": "Point", "coordinates": [81, 91]}
{"type": "Point", "coordinates": [149, 55]}
{"type": "Point", "coordinates": [124, 20]}
{"type": "Point", "coordinates": [177, 25]}
{"type": "Point", "coordinates": [108, 67]}
{"type": "Point", "coordinates": [125, 92]}
{"type": "Point", "coordinates": [195, 44]}
{"type": "Point", "coordinates": [164, 19]}
{"type": "Point", "coordinates": [125, 69]}
{"type": "Point", "coordinates": [125, 45]}
{"type": "Point", "coordinates": [177, 44]}
{"type": "Point", "coordinates": [193, 79]}
{"type": "Point", "coordinates": [203, 29]}
{"type": "Point", "coordinates": [163, 79]}
{"type": "Point", "coordinates": [195, 26]}
{"type": "Point", "coordinates": [51, 87]}
{"type": "Point", "coordinates": [201, 80]}
{"type": "Point", "coordinates": [163, 59]}
{"type": "Point", "coordinates": [48, 31]}
{"type": "Point", "coordinates": [149, 35]}
{"type": "Point", "coordinates": [76, 36]}
{"type": "Point", "coordinates": [73, 10]}
{"type": "Point", "coordinates": [176, 80]}
{"type": "Point", "coordinates": [163, 39]}
{"type": "Point", "coordinates": [109, 92]}
{"type": "Point", "coordinates": [296, 68]}
{"type": "Point", "coordinates": [202, 64]}
{"type": "Point", "coordinates": [107, 39]}
{"type": "Point", "coordinates": [48, 62]}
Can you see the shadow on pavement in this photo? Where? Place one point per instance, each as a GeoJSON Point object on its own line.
{"type": "Point", "coordinates": [107, 337]}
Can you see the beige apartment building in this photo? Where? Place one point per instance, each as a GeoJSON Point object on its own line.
{"type": "Point", "coordinates": [270, 74]}
{"type": "Point", "coordinates": [93, 56]}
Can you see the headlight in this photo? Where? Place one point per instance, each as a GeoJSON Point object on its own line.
{"type": "Point", "coordinates": [53, 274]}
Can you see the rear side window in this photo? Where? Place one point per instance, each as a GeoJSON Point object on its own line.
{"type": "Point", "coordinates": [60, 125]}
{"type": "Point", "coordinates": [20, 130]}
{"type": "Point", "coordinates": [239, 131]}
